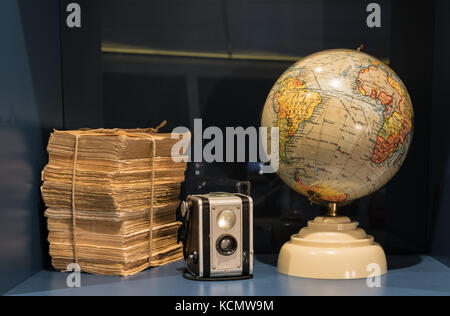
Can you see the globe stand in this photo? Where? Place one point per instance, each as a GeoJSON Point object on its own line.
{"type": "Point", "coordinates": [332, 247]}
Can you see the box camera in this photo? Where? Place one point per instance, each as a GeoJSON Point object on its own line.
{"type": "Point", "coordinates": [219, 241]}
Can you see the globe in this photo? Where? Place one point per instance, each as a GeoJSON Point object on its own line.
{"type": "Point", "coordinates": [345, 124]}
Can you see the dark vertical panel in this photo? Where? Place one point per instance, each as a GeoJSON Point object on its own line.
{"type": "Point", "coordinates": [81, 66]}
{"type": "Point", "coordinates": [30, 105]}
{"type": "Point", "coordinates": [411, 58]}
{"type": "Point", "coordinates": [440, 135]}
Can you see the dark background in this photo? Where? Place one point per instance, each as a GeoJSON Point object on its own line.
{"type": "Point", "coordinates": [179, 60]}
{"type": "Point", "coordinates": [30, 107]}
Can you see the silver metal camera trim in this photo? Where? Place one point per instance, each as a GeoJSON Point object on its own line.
{"type": "Point", "coordinates": [200, 233]}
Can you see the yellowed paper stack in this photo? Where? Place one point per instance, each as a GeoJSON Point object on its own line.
{"type": "Point", "coordinates": [111, 198]}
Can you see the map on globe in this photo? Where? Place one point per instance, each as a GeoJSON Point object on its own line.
{"type": "Point", "coordinates": [345, 124]}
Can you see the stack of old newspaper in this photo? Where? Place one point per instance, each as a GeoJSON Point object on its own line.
{"type": "Point", "coordinates": [111, 198]}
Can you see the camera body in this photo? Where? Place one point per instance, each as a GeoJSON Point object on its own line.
{"type": "Point", "coordinates": [219, 241]}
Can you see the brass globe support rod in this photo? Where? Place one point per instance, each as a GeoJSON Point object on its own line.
{"type": "Point", "coordinates": [332, 210]}
{"type": "Point", "coordinates": [332, 207]}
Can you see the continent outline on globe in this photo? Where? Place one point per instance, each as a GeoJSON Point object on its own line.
{"type": "Point", "coordinates": [345, 123]}
{"type": "Point", "coordinates": [396, 126]}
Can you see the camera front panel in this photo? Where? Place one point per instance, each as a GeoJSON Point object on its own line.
{"type": "Point", "coordinates": [226, 235]}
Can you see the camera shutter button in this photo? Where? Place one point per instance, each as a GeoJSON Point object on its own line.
{"type": "Point", "coordinates": [193, 256]}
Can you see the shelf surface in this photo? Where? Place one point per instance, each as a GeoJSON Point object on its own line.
{"type": "Point", "coordinates": [407, 275]}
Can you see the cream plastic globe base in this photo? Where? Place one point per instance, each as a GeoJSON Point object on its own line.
{"type": "Point", "coordinates": [332, 248]}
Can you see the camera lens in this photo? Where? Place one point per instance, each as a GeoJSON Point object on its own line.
{"type": "Point", "coordinates": [226, 219]}
{"type": "Point", "coordinates": [226, 245]}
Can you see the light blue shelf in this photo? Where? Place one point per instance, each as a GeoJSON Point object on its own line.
{"type": "Point", "coordinates": [408, 275]}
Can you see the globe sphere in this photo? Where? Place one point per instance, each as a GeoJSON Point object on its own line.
{"type": "Point", "coordinates": [345, 124]}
